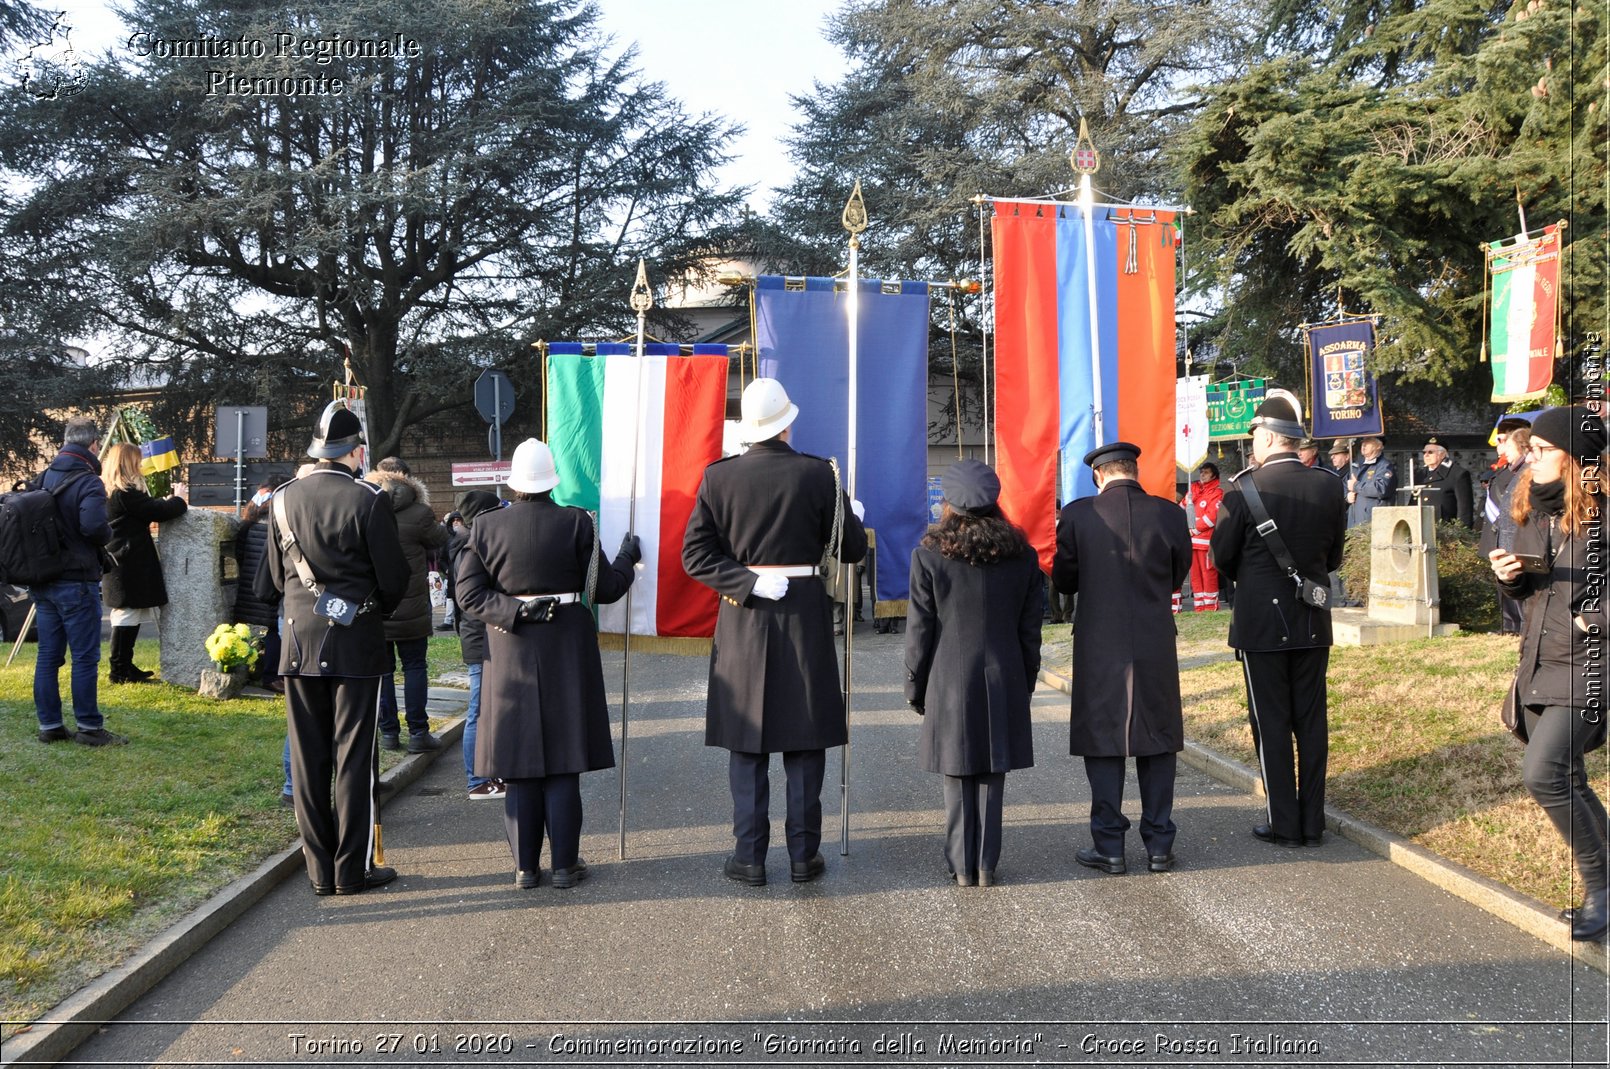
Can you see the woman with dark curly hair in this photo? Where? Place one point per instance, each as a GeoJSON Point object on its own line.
{"type": "Point", "coordinates": [972, 658]}
{"type": "Point", "coordinates": [1557, 568]}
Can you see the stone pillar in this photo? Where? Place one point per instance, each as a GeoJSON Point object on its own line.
{"type": "Point", "coordinates": [1403, 565]}
{"type": "Point", "coordinates": [198, 566]}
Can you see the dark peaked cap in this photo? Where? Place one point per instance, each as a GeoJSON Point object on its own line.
{"type": "Point", "coordinates": [1277, 414]}
{"type": "Point", "coordinates": [1104, 454]}
{"type": "Point", "coordinates": [970, 485]}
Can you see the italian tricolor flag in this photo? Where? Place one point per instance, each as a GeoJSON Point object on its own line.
{"type": "Point", "coordinates": [1525, 301]}
{"type": "Point", "coordinates": [671, 407]}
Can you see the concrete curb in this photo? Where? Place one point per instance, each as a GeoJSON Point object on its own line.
{"type": "Point", "coordinates": [1527, 914]}
{"type": "Point", "coordinates": [77, 1017]}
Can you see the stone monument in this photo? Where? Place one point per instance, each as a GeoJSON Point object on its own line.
{"type": "Point", "coordinates": [199, 569]}
{"type": "Point", "coordinates": [1403, 599]}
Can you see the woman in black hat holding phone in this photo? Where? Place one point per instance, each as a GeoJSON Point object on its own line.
{"type": "Point", "coordinates": [1557, 567]}
{"type": "Point", "coordinates": [972, 658]}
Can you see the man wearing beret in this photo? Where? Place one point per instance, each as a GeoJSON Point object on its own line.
{"type": "Point", "coordinates": [1125, 553]}
{"type": "Point", "coordinates": [756, 536]}
{"type": "Point", "coordinates": [1450, 483]}
{"type": "Point", "coordinates": [334, 554]}
{"type": "Point", "coordinates": [1282, 641]}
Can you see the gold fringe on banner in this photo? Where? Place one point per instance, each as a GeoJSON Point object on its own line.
{"type": "Point", "coordinates": [690, 647]}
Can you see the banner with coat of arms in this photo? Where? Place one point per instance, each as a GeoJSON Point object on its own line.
{"type": "Point", "coordinates": [1343, 397]}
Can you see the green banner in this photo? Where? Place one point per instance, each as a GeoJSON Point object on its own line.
{"type": "Point", "coordinates": [1231, 406]}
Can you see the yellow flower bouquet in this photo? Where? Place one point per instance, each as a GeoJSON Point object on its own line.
{"type": "Point", "coordinates": [233, 646]}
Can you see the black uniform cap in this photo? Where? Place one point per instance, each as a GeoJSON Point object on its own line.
{"type": "Point", "coordinates": [1104, 454]}
{"type": "Point", "coordinates": [1277, 414]}
{"type": "Point", "coordinates": [970, 485]}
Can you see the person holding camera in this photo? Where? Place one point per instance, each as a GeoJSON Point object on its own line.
{"type": "Point", "coordinates": [1281, 624]}
{"type": "Point", "coordinates": [532, 572]}
{"type": "Point", "coordinates": [1558, 701]}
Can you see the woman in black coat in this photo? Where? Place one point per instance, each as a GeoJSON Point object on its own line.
{"type": "Point", "coordinates": [133, 590]}
{"type": "Point", "coordinates": [544, 721]}
{"type": "Point", "coordinates": [972, 658]}
{"type": "Point", "coordinates": [1557, 567]}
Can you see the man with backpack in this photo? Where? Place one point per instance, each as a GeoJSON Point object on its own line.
{"type": "Point", "coordinates": [69, 606]}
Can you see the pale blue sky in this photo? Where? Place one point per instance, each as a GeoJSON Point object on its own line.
{"type": "Point", "coordinates": [738, 58]}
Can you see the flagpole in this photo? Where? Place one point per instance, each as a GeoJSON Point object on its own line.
{"type": "Point", "coordinates": [854, 221]}
{"type": "Point", "coordinates": [1086, 161]}
{"type": "Point", "coordinates": [642, 301]}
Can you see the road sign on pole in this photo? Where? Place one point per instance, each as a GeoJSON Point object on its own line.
{"type": "Point", "coordinates": [494, 400]}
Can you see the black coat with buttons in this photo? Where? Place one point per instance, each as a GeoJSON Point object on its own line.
{"type": "Point", "coordinates": [543, 708]}
{"type": "Point", "coordinates": [1310, 508]}
{"type": "Point", "coordinates": [1555, 653]}
{"type": "Point", "coordinates": [348, 536]}
{"type": "Point", "coordinates": [774, 673]}
{"type": "Point", "coordinates": [136, 582]}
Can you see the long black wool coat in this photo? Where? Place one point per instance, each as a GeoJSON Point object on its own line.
{"type": "Point", "coordinates": [136, 582]}
{"type": "Point", "coordinates": [1124, 552]}
{"type": "Point", "coordinates": [543, 709]}
{"type": "Point", "coordinates": [972, 658]}
{"type": "Point", "coordinates": [774, 678]}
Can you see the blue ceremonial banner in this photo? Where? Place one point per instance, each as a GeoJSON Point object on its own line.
{"type": "Point", "coordinates": [803, 341]}
{"type": "Point", "coordinates": [1342, 394]}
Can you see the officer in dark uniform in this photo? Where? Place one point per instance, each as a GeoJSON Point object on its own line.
{"type": "Point", "coordinates": [1283, 643]}
{"type": "Point", "coordinates": [756, 536]}
{"type": "Point", "coordinates": [1447, 485]}
{"type": "Point", "coordinates": [333, 651]}
{"type": "Point", "coordinates": [1125, 553]}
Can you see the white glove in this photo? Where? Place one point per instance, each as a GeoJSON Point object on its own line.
{"type": "Point", "coordinates": [771, 586]}
{"type": "Point", "coordinates": [859, 510]}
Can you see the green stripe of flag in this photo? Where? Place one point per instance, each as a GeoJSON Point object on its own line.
{"type": "Point", "coordinates": [576, 426]}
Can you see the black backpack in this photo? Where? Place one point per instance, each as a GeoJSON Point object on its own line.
{"type": "Point", "coordinates": [31, 537]}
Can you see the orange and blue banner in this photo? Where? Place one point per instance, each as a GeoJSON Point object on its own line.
{"type": "Point", "coordinates": [1054, 374]}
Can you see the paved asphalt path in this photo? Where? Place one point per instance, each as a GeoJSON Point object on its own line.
{"type": "Point", "coordinates": [1245, 955]}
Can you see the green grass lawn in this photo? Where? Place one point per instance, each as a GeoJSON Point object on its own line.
{"type": "Point", "coordinates": [104, 847]}
{"type": "Point", "coordinates": [1415, 744]}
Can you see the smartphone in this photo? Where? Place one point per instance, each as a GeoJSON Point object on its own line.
{"type": "Point", "coordinates": [1530, 562]}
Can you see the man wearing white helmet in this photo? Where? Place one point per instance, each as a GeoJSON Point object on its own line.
{"type": "Point", "coordinates": [756, 536]}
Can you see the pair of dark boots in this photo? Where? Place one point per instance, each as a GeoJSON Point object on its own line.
{"type": "Point", "coordinates": [120, 657]}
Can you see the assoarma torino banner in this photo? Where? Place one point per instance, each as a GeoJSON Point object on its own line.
{"type": "Point", "coordinates": [1231, 406]}
{"type": "Point", "coordinates": [1342, 396]}
{"type": "Point", "coordinates": [1190, 421]}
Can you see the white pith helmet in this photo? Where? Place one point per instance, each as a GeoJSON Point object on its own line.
{"type": "Point", "coordinates": [531, 471]}
{"type": "Point", "coordinates": [766, 411]}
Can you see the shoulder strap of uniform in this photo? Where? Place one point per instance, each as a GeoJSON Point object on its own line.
{"type": "Point", "coordinates": [289, 547]}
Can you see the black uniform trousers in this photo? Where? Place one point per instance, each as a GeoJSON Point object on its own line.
{"type": "Point", "coordinates": [1286, 702]}
{"type": "Point", "coordinates": [973, 806]}
{"type": "Point", "coordinates": [551, 802]}
{"type": "Point", "coordinates": [332, 729]}
{"type": "Point", "coordinates": [749, 775]}
{"type": "Point", "coordinates": [1155, 773]}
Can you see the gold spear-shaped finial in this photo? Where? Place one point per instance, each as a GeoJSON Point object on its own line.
{"type": "Point", "coordinates": [1084, 159]}
{"type": "Point", "coordinates": [854, 217]}
{"type": "Point", "coordinates": [642, 296]}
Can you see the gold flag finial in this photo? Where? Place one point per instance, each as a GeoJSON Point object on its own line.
{"type": "Point", "coordinates": [854, 218]}
{"type": "Point", "coordinates": [642, 296]}
{"type": "Point", "coordinates": [1084, 159]}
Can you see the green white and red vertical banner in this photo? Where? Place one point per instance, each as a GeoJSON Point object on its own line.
{"type": "Point", "coordinates": [671, 406]}
{"type": "Point", "coordinates": [1525, 315]}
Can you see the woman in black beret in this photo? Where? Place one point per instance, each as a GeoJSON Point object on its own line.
{"type": "Point", "coordinates": [972, 658]}
{"type": "Point", "coordinates": [1557, 567]}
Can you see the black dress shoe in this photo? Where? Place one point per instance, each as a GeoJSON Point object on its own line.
{"type": "Point", "coordinates": [806, 871]}
{"type": "Point", "coordinates": [1265, 834]}
{"type": "Point", "coordinates": [1088, 857]}
{"type": "Point", "coordinates": [986, 878]}
{"type": "Point", "coordinates": [378, 876]}
{"type": "Point", "coordinates": [322, 889]}
{"type": "Point", "coordinates": [965, 879]}
{"type": "Point", "coordinates": [753, 875]}
{"type": "Point", "coordinates": [1568, 914]}
{"type": "Point", "coordinates": [1314, 841]}
{"type": "Point", "coordinates": [1160, 862]}
{"type": "Point", "coordinates": [569, 877]}
{"type": "Point", "coordinates": [525, 880]}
